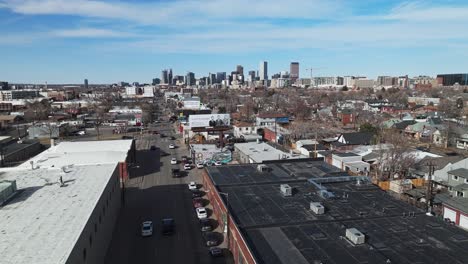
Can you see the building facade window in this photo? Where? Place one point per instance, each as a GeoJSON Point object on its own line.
{"type": "Point", "coordinates": [455, 177]}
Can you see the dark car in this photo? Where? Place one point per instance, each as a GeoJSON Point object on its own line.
{"type": "Point", "coordinates": [197, 193]}
{"type": "Point", "coordinates": [216, 252]}
{"type": "Point", "coordinates": [168, 226]}
{"type": "Point", "coordinates": [211, 239]}
{"type": "Point", "coordinates": [172, 138]}
{"type": "Point", "coordinates": [153, 148]}
{"type": "Point", "coordinates": [176, 173]}
{"type": "Point", "coordinates": [197, 202]}
{"type": "Point", "coordinates": [206, 225]}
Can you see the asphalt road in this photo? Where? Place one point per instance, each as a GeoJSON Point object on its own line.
{"type": "Point", "coordinates": [152, 194]}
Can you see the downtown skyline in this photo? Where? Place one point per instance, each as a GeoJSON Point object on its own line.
{"type": "Point", "coordinates": [108, 41]}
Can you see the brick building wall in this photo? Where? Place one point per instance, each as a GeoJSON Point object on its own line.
{"type": "Point", "coordinates": [237, 244]}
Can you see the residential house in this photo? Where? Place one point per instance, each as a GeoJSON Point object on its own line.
{"type": "Point", "coordinates": [455, 203]}
{"type": "Point", "coordinates": [356, 138]}
{"type": "Point", "coordinates": [8, 120]}
{"type": "Point", "coordinates": [346, 116]}
{"type": "Point", "coordinates": [462, 142]}
{"type": "Point", "coordinates": [350, 162]}
{"type": "Point", "coordinates": [246, 130]}
{"type": "Point", "coordinates": [271, 119]}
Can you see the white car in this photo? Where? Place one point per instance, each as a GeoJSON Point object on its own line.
{"type": "Point", "coordinates": [147, 228]}
{"type": "Point", "coordinates": [173, 161]}
{"type": "Point", "coordinates": [172, 146]}
{"type": "Point", "coordinates": [187, 166]}
{"type": "Point", "coordinates": [201, 213]}
{"type": "Point", "coordinates": [200, 165]}
{"type": "Point", "coordinates": [192, 186]}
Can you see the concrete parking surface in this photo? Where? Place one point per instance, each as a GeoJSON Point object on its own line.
{"type": "Point", "coordinates": [152, 194]}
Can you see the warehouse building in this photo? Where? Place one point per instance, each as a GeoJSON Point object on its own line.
{"type": "Point", "coordinates": [307, 211]}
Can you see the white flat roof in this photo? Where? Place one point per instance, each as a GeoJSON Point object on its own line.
{"type": "Point", "coordinates": [259, 152]}
{"type": "Point", "coordinates": [81, 153]}
{"type": "Point", "coordinates": [43, 222]}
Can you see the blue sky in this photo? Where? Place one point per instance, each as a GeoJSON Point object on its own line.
{"type": "Point", "coordinates": [66, 41]}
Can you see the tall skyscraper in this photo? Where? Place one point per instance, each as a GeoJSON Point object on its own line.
{"type": "Point", "coordinates": [263, 71]}
{"type": "Point", "coordinates": [220, 76]}
{"type": "Point", "coordinates": [251, 76]}
{"type": "Point", "coordinates": [240, 70]}
{"type": "Point", "coordinates": [164, 77]}
{"type": "Point", "coordinates": [169, 76]}
{"type": "Point", "coordinates": [86, 83]}
{"type": "Point", "coordinates": [294, 71]}
{"type": "Point", "coordinates": [212, 78]}
{"type": "Point", "coordinates": [190, 79]}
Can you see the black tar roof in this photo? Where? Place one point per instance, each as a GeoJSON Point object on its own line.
{"type": "Point", "coordinates": [358, 138]}
{"type": "Point", "coordinates": [283, 230]}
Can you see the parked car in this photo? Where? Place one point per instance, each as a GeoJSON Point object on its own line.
{"type": "Point", "coordinates": [187, 166]}
{"type": "Point", "coordinates": [173, 161]}
{"type": "Point", "coordinates": [211, 239]}
{"type": "Point", "coordinates": [216, 252]}
{"type": "Point", "coordinates": [147, 228]}
{"type": "Point", "coordinates": [172, 146]}
{"type": "Point", "coordinates": [201, 213]}
{"type": "Point", "coordinates": [197, 202]}
{"type": "Point", "coordinates": [184, 159]}
{"type": "Point", "coordinates": [206, 225]}
{"type": "Point", "coordinates": [173, 138]}
{"type": "Point", "coordinates": [197, 193]}
{"type": "Point", "coordinates": [168, 226]}
{"type": "Point", "coordinates": [192, 186]}
{"type": "Point", "coordinates": [153, 148]}
{"type": "Point", "coordinates": [200, 165]}
{"type": "Point", "coordinates": [176, 173]}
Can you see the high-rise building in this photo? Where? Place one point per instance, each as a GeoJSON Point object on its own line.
{"type": "Point", "coordinates": [240, 70]}
{"type": "Point", "coordinates": [4, 86]}
{"type": "Point", "coordinates": [451, 79]}
{"type": "Point", "coordinates": [169, 76]}
{"type": "Point", "coordinates": [164, 77]}
{"type": "Point", "coordinates": [190, 79]}
{"type": "Point", "coordinates": [213, 79]}
{"type": "Point", "coordinates": [263, 71]}
{"type": "Point", "coordinates": [86, 83]}
{"type": "Point", "coordinates": [251, 76]}
{"type": "Point", "coordinates": [220, 76]}
{"type": "Point", "coordinates": [156, 81]}
{"type": "Point", "coordinates": [294, 70]}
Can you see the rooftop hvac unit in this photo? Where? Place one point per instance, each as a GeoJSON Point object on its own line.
{"type": "Point", "coordinates": [7, 190]}
{"type": "Point", "coordinates": [355, 236]}
{"type": "Point", "coordinates": [317, 208]}
{"type": "Point", "coordinates": [286, 190]}
{"type": "Point", "coordinates": [262, 168]}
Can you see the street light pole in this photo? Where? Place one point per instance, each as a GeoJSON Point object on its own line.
{"type": "Point", "coordinates": [227, 216]}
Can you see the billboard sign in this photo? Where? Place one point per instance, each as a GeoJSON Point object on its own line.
{"type": "Point", "coordinates": [210, 120]}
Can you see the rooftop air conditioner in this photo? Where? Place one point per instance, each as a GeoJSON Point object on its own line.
{"type": "Point", "coordinates": [286, 190]}
{"type": "Point", "coordinates": [262, 168]}
{"type": "Point", "coordinates": [317, 208]}
{"type": "Point", "coordinates": [355, 236]}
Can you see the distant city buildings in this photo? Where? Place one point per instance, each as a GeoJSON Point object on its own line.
{"type": "Point", "coordinates": [452, 79]}
{"type": "Point", "coordinates": [4, 86]}
{"type": "Point", "coordinates": [294, 70]}
{"type": "Point", "coordinates": [190, 78]}
{"type": "Point", "coordinates": [263, 71]}
{"type": "Point", "coordinates": [240, 70]}
{"type": "Point", "coordinates": [86, 83]}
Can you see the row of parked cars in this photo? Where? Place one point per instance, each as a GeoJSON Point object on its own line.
{"type": "Point", "coordinates": [167, 227]}
{"type": "Point", "coordinates": [212, 239]}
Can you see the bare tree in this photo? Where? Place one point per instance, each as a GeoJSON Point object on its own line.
{"type": "Point", "coordinates": [396, 157]}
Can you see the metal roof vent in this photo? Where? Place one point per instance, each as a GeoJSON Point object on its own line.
{"type": "Point", "coordinates": [263, 168]}
{"type": "Point", "coordinates": [7, 190]}
{"type": "Point", "coordinates": [355, 236]}
{"type": "Point", "coordinates": [286, 190]}
{"type": "Point", "coordinates": [317, 208]}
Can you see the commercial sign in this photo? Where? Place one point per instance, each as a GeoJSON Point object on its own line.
{"type": "Point", "coordinates": [211, 120]}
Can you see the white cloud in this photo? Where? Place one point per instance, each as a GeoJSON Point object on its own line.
{"type": "Point", "coordinates": [90, 33]}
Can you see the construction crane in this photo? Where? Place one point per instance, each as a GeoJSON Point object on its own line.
{"type": "Point", "coordinates": [311, 69]}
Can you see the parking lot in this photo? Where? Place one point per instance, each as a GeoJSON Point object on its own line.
{"type": "Point", "coordinates": [153, 194]}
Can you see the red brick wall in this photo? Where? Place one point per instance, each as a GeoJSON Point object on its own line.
{"type": "Point", "coordinates": [346, 119]}
{"type": "Point", "coordinates": [236, 241]}
{"type": "Point", "coordinates": [269, 135]}
{"type": "Point", "coordinates": [123, 171]}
